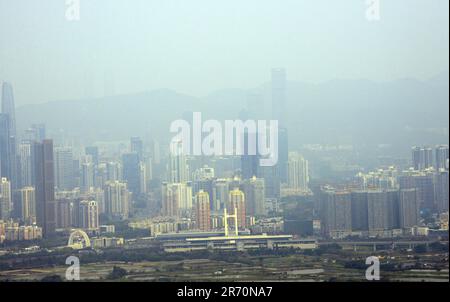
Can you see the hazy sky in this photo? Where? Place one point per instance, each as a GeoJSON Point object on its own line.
{"type": "Point", "coordinates": [198, 46]}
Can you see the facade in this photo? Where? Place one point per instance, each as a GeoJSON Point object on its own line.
{"type": "Point", "coordinates": [117, 199]}
{"type": "Point", "coordinates": [88, 214]}
{"type": "Point", "coordinates": [336, 212]}
{"type": "Point", "coordinates": [64, 172]}
{"type": "Point", "coordinates": [178, 169]}
{"type": "Point", "coordinates": [45, 187]}
{"type": "Point", "coordinates": [409, 208]}
{"type": "Point", "coordinates": [298, 172]}
{"type": "Point", "coordinates": [254, 192]}
{"type": "Point", "coordinates": [5, 199]}
{"type": "Point", "coordinates": [132, 173]}
{"type": "Point", "coordinates": [203, 211]}
{"type": "Point", "coordinates": [27, 201]}
{"type": "Point", "coordinates": [236, 200]}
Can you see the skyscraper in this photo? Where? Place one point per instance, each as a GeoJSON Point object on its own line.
{"type": "Point", "coordinates": [409, 208]}
{"type": "Point", "coordinates": [441, 160]}
{"type": "Point", "coordinates": [45, 186]}
{"type": "Point", "coordinates": [359, 211]}
{"type": "Point", "coordinates": [8, 106]}
{"type": "Point", "coordinates": [64, 169]}
{"type": "Point", "coordinates": [5, 149]}
{"type": "Point", "coordinates": [87, 175]}
{"type": "Point", "coordinates": [178, 170]}
{"type": "Point", "coordinates": [298, 172]}
{"type": "Point", "coordinates": [254, 192]}
{"type": "Point", "coordinates": [27, 201]}
{"type": "Point", "coordinates": [132, 173]}
{"type": "Point", "coordinates": [202, 211]}
{"type": "Point", "coordinates": [88, 214]}
{"type": "Point", "coordinates": [5, 199]}
{"type": "Point", "coordinates": [377, 206]}
{"type": "Point", "coordinates": [422, 158]}
{"type": "Point", "coordinates": [137, 146]}
{"type": "Point", "coordinates": [25, 155]}
{"type": "Point", "coordinates": [250, 158]}
{"type": "Point", "coordinates": [116, 200]}
{"type": "Point", "coordinates": [442, 191]}
{"type": "Point", "coordinates": [336, 212]}
{"type": "Point", "coordinates": [236, 200]}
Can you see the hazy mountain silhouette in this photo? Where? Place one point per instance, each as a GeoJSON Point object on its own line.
{"type": "Point", "coordinates": [402, 112]}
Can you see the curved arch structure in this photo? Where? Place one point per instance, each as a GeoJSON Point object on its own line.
{"type": "Point", "coordinates": [79, 245]}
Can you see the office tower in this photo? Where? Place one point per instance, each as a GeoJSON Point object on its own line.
{"type": "Point", "coordinates": [88, 214]}
{"type": "Point", "coordinates": [409, 208]}
{"type": "Point", "coordinates": [27, 202]}
{"type": "Point", "coordinates": [222, 191]}
{"type": "Point", "coordinates": [336, 212]}
{"type": "Point", "coordinates": [117, 199]}
{"type": "Point", "coordinates": [8, 106]}
{"type": "Point", "coordinates": [359, 210]}
{"type": "Point", "coordinates": [137, 146]}
{"type": "Point", "coordinates": [92, 151]}
{"type": "Point", "coordinates": [298, 172]}
{"type": "Point", "coordinates": [377, 208]}
{"type": "Point", "coordinates": [26, 175]}
{"type": "Point", "coordinates": [442, 191]}
{"type": "Point", "coordinates": [148, 163]}
{"type": "Point", "coordinates": [113, 171]}
{"type": "Point", "coordinates": [5, 146]}
{"type": "Point", "coordinates": [236, 200]}
{"type": "Point", "coordinates": [131, 173]}
{"type": "Point", "coordinates": [441, 160]}
{"type": "Point", "coordinates": [64, 173]}
{"type": "Point", "coordinates": [143, 177]}
{"type": "Point", "coordinates": [178, 170]}
{"type": "Point", "coordinates": [254, 192]}
{"type": "Point", "coordinates": [202, 211]}
{"type": "Point", "coordinates": [250, 158]}
{"type": "Point", "coordinates": [87, 175]}
{"type": "Point", "coordinates": [45, 186]}
{"type": "Point", "coordinates": [422, 158]}
{"type": "Point", "coordinates": [5, 199]}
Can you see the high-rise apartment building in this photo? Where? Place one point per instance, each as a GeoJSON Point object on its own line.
{"type": "Point", "coordinates": [203, 211]}
{"type": "Point", "coordinates": [88, 214]}
{"type": "Point", "coordinates": [236, 200]}
{"type": "Point", "coordinates": [117, 199]}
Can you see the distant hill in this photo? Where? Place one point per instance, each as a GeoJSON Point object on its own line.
{"type": "Point", "coordinates": [403, 112]}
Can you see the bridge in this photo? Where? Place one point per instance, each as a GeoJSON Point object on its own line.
{"type": "Point", "coordinates": [383, 245]}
